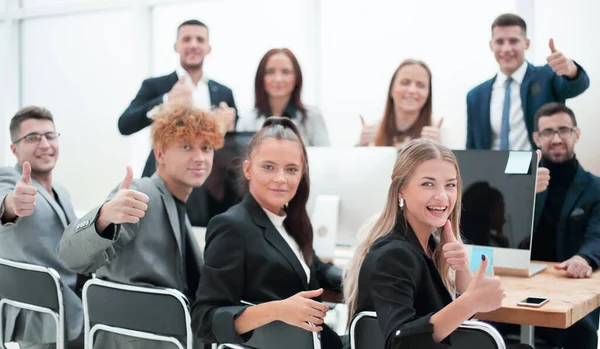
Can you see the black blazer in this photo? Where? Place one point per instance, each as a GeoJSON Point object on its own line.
{"type": "Point", "coordinates": [246, 259]}
{"type": "Point", "coordinates": [399, 282]}
{"type": "Point", "coordinates": [150, 95]}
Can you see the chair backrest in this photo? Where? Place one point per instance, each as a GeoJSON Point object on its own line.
{"type": "Point", "coordinates": [31, 284]}
{"type": "Point", "coordinates": [366, 333]}
{"type": "Point", "coordinates": [156, 311]}
{"type": "Point", "coordinates": [35, 288]}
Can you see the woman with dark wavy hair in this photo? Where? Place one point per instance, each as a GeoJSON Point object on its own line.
{"type": "Point", "coordinates": [260, 251]}
{"type": "Point", "coordinates": [277, 91]}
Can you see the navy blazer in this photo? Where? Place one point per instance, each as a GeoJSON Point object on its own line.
{"type": "Point", "coordinates": [540, 85]}
{"type": "Point", "coordinates": [134, 118]}
{"type": "Point", "coordinates": [579, 222]}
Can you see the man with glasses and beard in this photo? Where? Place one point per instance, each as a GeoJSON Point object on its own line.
{"type": "Point", "coordinates": [34, 212]}
{"type": "Point", "coordinates": [567, 216]}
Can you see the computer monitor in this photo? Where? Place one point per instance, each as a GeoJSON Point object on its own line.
{"type": "Point", "coordinates": [347, 186]}
{"type": "Point", "coordinates": [225, 186]}
{"type": "Point", "coordinates": [498, 207]}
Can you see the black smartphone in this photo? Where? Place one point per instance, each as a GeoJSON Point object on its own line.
{"type": "Point", "coordinates": [534, 302]}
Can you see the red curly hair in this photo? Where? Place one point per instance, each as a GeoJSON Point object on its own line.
{"type": "Point", "coordinates": [175, 124]}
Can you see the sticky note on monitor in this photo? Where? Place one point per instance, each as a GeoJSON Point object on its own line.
{"type": "Point", "coordinates": [475, 259]}
{"type": "Point", "coordinates": [518, 162]}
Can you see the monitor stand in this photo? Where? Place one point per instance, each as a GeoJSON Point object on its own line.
{"type": "Point", "coordinates": [324, 219]}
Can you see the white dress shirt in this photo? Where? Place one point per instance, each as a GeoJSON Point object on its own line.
{"type": "Point", "coordinates": [519, 136]}
{"type": "Point", "coordinates": [200, 92]}
{"type": "Point", "coordinates": [278, 223]}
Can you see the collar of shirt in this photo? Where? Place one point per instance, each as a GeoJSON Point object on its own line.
{"type": "Point", "coordinates": [275, 219]}
{"type": "Point", "coordinates": [188, 79]}
{"type": "Point", "coordinates": [517, 76]}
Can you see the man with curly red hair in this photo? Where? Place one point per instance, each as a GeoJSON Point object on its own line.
{"type": "Point", "coordinates": [141, 235]}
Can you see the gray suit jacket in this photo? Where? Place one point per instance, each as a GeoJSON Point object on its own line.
{"type": "Point", "coordinates": [148, 253]}
{"type": "Point", "coordinates": [33, 240]}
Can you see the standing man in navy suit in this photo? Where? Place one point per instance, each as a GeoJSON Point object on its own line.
{"type": "Point", "coordinates": [186, 85]}
{"type": "Point", "coordinates": [500, 111]}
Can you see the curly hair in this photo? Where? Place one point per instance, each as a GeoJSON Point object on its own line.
{"type": "Point", "coordinates": [173, 124]}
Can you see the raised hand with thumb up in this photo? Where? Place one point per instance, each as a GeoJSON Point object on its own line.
{"type": "Point", "coordinates": [454, 252]}
{"type": "Point", "coordinates": [227, 113]}
{"type": "Point", "coordinates": [484, 293]}
{"type": "Point", "coordinates": [559, 63]}
{"type": "Point", "coordinates": [21, 201]}
{"type": "Point", "coordinates": [432, 132]}
{"type": "Point", "coordinates": [127, 206]}
{"type": "Point", "coordinates": [367, 133]}
{"type": "Point", "coordinates": [181, 93]}
{"type": "Point", "coordinates": [543, 175]}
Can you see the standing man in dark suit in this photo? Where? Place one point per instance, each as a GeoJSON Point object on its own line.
{"type": "Point", "coordinates": [186, 85]}
{"type": "Point", "coordinates": [34, 212]}
{"type": "Point", "coordinates": [500, 111]}
{"type": "Point", "coordinates": [567, 216]}
{"type": "Point", "coordinates": [141, 235]}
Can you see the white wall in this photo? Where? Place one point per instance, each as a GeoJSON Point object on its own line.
{"type": "Point", "coordinates": [84, 81]}
{"type": "Point", "coordinates": [364, 42]}
{"type": "Point", "coordinates": [85, 60]}
{"type": "Point", "coordinates": [574, 29]}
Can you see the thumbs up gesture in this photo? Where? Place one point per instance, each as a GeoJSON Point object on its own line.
{"type": "Point", "coordinates": [559, 63]}
{"type": "Point", "coordinates": [127, 206]}
{"type": "Point", "coordinates": [21, 201]}
{"type": "Point", "coordinates": [543, 175]}
{"type": "Point", "coordinates": [485, 293]}
{"type": "Point", "coordinates": [367, 132]}
{"type": "Point", "coordinates": [227, 114]}
{"type": "Point", "coordinates": [181, 93]}
{"type": "Point", "coordinates": [432, 132]}
{"type": "Point", "coordinates": [454, 252]}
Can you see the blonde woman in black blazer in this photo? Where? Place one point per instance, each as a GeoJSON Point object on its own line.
{"type": "Point", "coordinates": [260, 251]}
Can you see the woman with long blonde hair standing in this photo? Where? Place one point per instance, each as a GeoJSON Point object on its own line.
{"type": "Point", "coordinates": [412, 264]}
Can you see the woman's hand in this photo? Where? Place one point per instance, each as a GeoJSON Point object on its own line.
{"type": "Point", "coordinates": [300, 310]}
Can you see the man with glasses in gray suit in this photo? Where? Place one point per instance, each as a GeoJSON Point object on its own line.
{"type": "Point", "coordinates": [141, 235]}
{"type": "Point", "coordinates": [34, 212]}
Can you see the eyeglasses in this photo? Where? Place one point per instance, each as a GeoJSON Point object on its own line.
{"type": "Point", "coordinates": [35, 137]}
{"type": "Point", "coordinates": [563, 132]}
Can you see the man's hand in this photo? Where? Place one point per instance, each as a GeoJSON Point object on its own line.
{"type": "Point", "coordinates": [180, 94]}
{"type": "Point", "coordinates": [543, 175]}
{"type": "Point", "coordinates": [577, 267]}
{"type": "Point", "coordinates": [21, 201]}
{"type": "Point", "coordinates": [127, 206]}
{"type": "Point", "coordinates": [559, 63]}
{"type": "Point", "coordinates": [226, 113]}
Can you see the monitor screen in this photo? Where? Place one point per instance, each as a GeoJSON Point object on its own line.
{"type": "Point", "coordinates": [497, 207]}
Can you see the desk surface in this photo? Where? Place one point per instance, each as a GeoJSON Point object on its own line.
{"type": "Point", "coordinates": [570, 299]}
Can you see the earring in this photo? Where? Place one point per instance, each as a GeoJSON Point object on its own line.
{"type": "Point", "coordinates": [401, 203]}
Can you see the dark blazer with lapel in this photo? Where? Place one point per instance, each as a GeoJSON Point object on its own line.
{"type": "Point", "coordinates": [147, 253]}
{"type": "Point", "coordinates": [540, 85]}
{"type": "Point", "coordinates": [33, 239]}
{"type": "Point", "coordinates": [402, 285]}
{"type": "Point", "coordinates": [151, 94]}
{"type": "Point", "coordinates": [579, 221]}
{"type": "Point", "coordinates": [246, 259]}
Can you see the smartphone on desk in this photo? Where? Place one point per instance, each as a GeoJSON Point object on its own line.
{"type": "Point", "coordinates": [534, 302]}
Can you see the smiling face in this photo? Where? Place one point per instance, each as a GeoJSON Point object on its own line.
{"type": "Point", "coordinates": [274, 171]}
{"type": "Point", "coordinates": [411, 88]}
{"type": "Point", "coordinates": [41, 154]}
{"type": "Point", "coordinates": [185, 165]}
{"type": "Point", "coordinates": [557, 148]}
{"type": "Point", "coordinates": [430, 195]}
{"type": "Point", "coordinates": [509, 45]}
{"type": "Point", "coordinates": [192, 46]}
{"type": "Point", "coordinates": [280, 77]}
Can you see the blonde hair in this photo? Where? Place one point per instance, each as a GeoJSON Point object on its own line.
{"type": "Point", "coordinates": [414, 153]}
